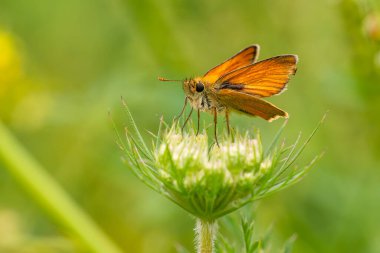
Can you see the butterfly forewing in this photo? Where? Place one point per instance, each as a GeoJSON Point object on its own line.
{"type": "Point", "coordinates": [243, 58]}
{"type": "Point", "coordinates": [263, 79]}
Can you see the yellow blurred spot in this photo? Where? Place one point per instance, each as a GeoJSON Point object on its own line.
{"type": "Point", "coordinates": [22, 102]}
{"type": "Point", "coordinates": [10, 229]}
{"type": "Point", "coordinates": [10, 61]}
{"type": "Point", "coordinates": [371, 26]}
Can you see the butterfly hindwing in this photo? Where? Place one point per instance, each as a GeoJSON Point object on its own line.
{"type": "Point", "coordinates": [250, 105]}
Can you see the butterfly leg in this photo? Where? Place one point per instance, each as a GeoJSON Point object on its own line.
{"type": "Point", "coordinates": [215, 124]}
{"type": "Point", "coordinates": [183, 109]}
{"type": "Point", "coordinates": [187, 119]}
{"type": "Point", "coordinates": [199, 116]}
{"type": "Point", "coordinates": [228, 121]}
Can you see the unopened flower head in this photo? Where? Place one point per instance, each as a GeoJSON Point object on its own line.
{"type": "Point", "coordinates": [207, 180]}
{"type": "Point", "coordinates": [211, 180]}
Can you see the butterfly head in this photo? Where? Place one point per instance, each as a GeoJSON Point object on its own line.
{"type": "Point", "coordinates": [196, 93]}
{"type": "Point", "coordinates": [193, 88]}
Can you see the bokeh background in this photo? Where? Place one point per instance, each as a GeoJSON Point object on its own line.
{"type": "Point", "coordinates": [65, 64]}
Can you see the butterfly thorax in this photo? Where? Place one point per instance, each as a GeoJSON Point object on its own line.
{"type": "Point", "coordinates": [200, 96]}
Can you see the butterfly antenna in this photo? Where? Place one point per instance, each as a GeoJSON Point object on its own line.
{"type": "Point", "coordinates": [168, 80]}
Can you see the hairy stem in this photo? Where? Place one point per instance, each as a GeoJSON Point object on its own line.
{"type": "Point", "coordinates": [205, 235]}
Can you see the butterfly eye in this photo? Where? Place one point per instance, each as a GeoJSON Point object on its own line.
{"type": "Point", "coordinates": [199, 87]}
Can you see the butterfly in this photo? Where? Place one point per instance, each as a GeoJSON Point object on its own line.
{"type": "Point", "coordinates": [239, 84]}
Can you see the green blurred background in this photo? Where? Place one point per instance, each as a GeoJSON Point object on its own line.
{"type": "Point", "coordinates": [65, 64]}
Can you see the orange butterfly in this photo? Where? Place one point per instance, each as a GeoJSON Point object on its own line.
{"type": "Point", "coordinates": [238, 84]}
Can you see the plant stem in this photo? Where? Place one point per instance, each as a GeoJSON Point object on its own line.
{"type": "Point", "coordinates": [52, 198]}
{"type": "Point", "coordinates": [205, 235]}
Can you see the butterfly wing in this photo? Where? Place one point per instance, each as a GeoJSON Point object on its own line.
{"type": "Point", "coordinates": [245, 57]}
{"type": "Point", "coordinates": [262, 79]}
{"type": "Point", "coordinates": [250, 104]}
